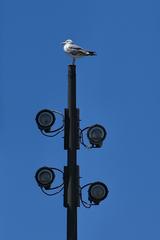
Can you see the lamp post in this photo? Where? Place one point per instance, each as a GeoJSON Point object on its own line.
{"type": "Point", "coordinates": [73, 136]}
{"type": "Point", "coordinates": [71, 201]}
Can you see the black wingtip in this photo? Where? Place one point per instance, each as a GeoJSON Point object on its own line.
{"type": "Point", "coordinates": [92, 53]}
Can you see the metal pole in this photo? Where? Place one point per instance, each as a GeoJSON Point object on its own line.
{"type": "Point", "coordinates": [72, 169]}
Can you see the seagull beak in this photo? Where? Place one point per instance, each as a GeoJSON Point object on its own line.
{"type": "Point", "coordinates": [62, 43]}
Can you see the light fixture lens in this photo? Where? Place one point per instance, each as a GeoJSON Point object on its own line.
{"type": "Point", "coordinates": [96, 134]}
{"type": "Point", "coordinates": [44, 177]}
{"type": "Point", "coordinates": [98, 191]}
{"type": "Point", "coordinates": [45, 119]}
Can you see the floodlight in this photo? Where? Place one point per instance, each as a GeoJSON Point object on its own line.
{"type": "Point", "coordinates": [44, 177]}
{"type": "Point", "coordinates": [45, 119]}
{"type": "Point", "coordinates": [96, 134]}
{"type": "Point", "coordinates": [97, 192]}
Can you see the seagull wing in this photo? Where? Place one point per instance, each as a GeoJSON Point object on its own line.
{"type": "Point", "coordinates": [74, 47]}
{"type": "Point", "coordinates": [77, 50]}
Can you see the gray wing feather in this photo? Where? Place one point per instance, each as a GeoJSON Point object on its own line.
{"type": "Point", "coordinates": [75, 47]}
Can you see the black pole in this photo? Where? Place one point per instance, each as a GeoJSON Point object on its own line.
{"type": "Point", "coordinates": [71, 172]}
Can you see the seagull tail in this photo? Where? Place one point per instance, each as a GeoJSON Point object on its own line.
{"type": "Point", "coordinates": [91, 53]}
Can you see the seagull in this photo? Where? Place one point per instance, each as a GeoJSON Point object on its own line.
{"type": "Point", "coordinates": [76, 51]}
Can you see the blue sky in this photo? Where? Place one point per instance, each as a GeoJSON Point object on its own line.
{"type": "Point", "coordinates": [119, 88]}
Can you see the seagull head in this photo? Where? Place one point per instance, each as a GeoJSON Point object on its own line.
{"type": "Point", "coordinates": [67, 41]}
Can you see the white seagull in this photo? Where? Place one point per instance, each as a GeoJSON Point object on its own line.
{"type": "Point", "coordinates": [76, 51]}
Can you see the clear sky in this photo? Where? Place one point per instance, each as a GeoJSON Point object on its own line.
{"type": "Point", "coordinates": [119, 88]}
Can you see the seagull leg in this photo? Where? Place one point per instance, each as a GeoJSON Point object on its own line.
{"type": "Point", "coordinates": [74, 60]}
